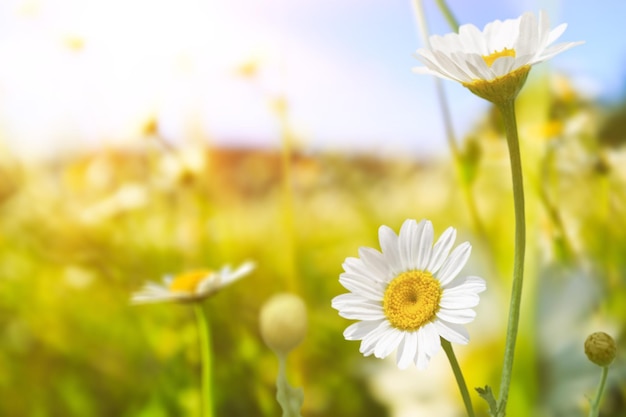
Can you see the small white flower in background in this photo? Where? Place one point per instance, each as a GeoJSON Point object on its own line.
{"type": "Point", "coordinates": [190, 286]}
{"type": "Point", "coordinates": [406, 297]}
{"type": "Point", "coordinates": [501, 49]}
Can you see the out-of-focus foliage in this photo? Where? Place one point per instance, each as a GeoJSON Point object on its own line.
{"type": "Point", "coordinates": [81, 233]}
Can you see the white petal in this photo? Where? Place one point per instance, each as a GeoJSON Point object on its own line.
{"type": "Point", "coordinates": [359, 330]}
{"type": "Point", "coordinates": [441, 249]}
{"type": "Point", "coordinates": [452, 332]}
{"type": "Point", "coordinates": [470, 284]}
{"type": "Point", "coordinates": [210, 284]}
{"type": "Point", "coordinates": [458, 301]}
{"type": "Point", "coordinates": [163, 298]}
{"type": "Point", "coordinates": [432, 344]}
{"type": "Point", "coordinates": [456, 316]}
{"type": "Point", "coordinates": [428, 71]}
{"type": "Point", "coordinates": [503, 65]}
{"type": "Point", "coordinates": [424, 246]}
{"type": "Point", "coordinates": [389, 245]}
{"type": "Point", "coordinates": [555, 33]}
{"type": "Point", "coordinates": [478, 67]}
{"type": "Point", "coordinates": [355, 308]}
{"type": "Point", "coordinates": [375, 262]}
{"type": "Point", "coordinates": [362, 286]}
{"type": "Point", "coordinates": [555, 50]}
{"type": "Point", "coordinates": [454, 263]}
{"type": "Point", "coordinates": [433, 66]}
{"type": "Point", "coordinates": [528, 39]}
{"type": "Point", "coordinates": [227, 276]}
{"type": "Point", "coordinates": [407, 350]}
{"type": "Point", "coordinates": [388, 342]}
{"type": "Point", "coordinates": [543, 32]}
{"type": "Point", "coordinates": [421, 358]}
{"type": "Point", "coordinates": [473, 40]}
{"type": "Point", "coordinates": [453, 66]}
{"type": "Point", "coordinates": [407, 244]}
{"type": "Point", "coordinates": [368, 344]}
{"type": "Point", "coordinates": [356, 266]}
{"type": "Point", "coordinates": [446, 44]}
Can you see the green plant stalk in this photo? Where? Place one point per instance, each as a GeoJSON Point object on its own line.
{"type": "Point", "coordinates": [204, 334]}
{"type": "Point", "coordinates": [457, 155]}
{"type": "Point", "coordinates": [289, 398]}
{"type": "Point", "coordinates": [458, 374]}
{"type": "Point", "coordinates": [595, 404]}
{"type": "Point", "coordinates": [447, 13]}
{"type": "Point", "coordinates": [507, 109]}
{"type": "Point", "coordinates": [288, 199]}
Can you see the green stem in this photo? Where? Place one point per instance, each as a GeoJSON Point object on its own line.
{"type": "Point", "coordinates": [289, 398]}
{"type": "Point", "coordinates": [595, 405]}
{"type": "Point", "coordinates": [289, 251]}
{"type": "Point", "coordinates": [204, 334]}
{"type": "Point", "coordinates": [447, 13]}
{"type": "Point", "coordinates": [458, 374]}
{"type": "Point", "coordinates": [457, 155]}
{"type": "Point", "coordinates": [507, 108]}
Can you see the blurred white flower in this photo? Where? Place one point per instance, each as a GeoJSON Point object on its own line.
{"type": "Point", "coordinates": [190, 286]}
{"type": "Point", "coordinates": [406, 297]}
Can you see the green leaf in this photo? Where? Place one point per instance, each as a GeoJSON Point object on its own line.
{"type": "Point", "coordinates": [487, 395]}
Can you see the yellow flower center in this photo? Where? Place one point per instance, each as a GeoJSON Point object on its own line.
{"type": "Point", "coordinates": [188, 281]}
{"type": "Point", "coordinates": [491, 58]}
{"type": "Point", "coordinates": [412, 300]}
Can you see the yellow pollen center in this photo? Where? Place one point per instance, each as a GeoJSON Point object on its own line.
{"type": "Point", "coordinates": [411, 300]}
{"type": "Point", "coordinates": [491, 58]}
{"type": "Point", "coordinates": [188, 281]}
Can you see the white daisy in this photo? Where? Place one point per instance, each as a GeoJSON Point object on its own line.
{"type": "Point", "coordinates": [502, 48]}
{"type": "Point", "coordinates": [190, 286]}
{"type": "Point", "coordinates": [406, 296]}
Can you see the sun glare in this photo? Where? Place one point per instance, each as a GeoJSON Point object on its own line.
{"type": "Point", "coordinates": [96, 70]}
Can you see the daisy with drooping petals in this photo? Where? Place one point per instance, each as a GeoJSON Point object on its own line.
{"type": "Point", "coordinates": [406, 297]}
{"type": "Point", "coordinates": [190, 286]}
{"type": "Point", "coordinates": [501, 54]}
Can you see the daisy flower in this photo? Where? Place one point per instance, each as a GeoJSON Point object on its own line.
{"type": "Point", "coordinates": [406, 297]}
{"type": "Point", "coordinates": [190, 286]}
{"type": "Point", "coordinates": [498, 58]}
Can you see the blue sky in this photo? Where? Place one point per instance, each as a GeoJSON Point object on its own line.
{"type": "Point", "coordinates": [91, 72]}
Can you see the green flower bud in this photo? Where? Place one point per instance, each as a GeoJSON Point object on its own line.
{"type": "Point", "coordinates": [600, 348]}
{"type": "Point", "coordinates": [283, 322]}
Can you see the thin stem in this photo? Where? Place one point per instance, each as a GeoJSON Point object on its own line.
{"type": "Point", "coordinates": [289, 398]}
{"type": "Point", "coordinates": [457, 155]}
{"type": "Point", "coordinates": [289, 254]}
{"type": "Point", "coordinates": [447, 13]}
{"type": "Point", "coordinates": [507, 108]}
{"type": "Point", "coordinates": [458, 374]}
{"type": "Point", "coordinates": [204, 334]}
{"type": "Point", "coordinates": [595, 405]}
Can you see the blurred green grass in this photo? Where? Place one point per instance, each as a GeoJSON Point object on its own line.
{"type": "Point", "coordinates": [80, 233]}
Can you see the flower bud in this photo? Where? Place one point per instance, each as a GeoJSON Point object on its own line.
{"type": "Point", "coordinates": [600, 348]}
{"type": "Point", "coordinates": [283, 322]}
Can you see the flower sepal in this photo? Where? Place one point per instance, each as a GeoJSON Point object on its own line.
{"type": "Point", "coordinates": [502, 89]}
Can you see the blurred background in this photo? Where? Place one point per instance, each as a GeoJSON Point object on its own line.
{"type": "Point", "coordinates": [142, 138]}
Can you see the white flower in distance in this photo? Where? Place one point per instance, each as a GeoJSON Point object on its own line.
{"type": "Point", "coordinates": [502, 49]}
{"type": "Point", "coordinates": [190, 286]}
{"type": "Point", "coordinates": [407, 296]}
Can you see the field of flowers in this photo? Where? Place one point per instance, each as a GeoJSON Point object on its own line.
{"type": "Point", "coordinates": [81, 234]}
{"type": "Point", "coordinates": [156, 279]}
